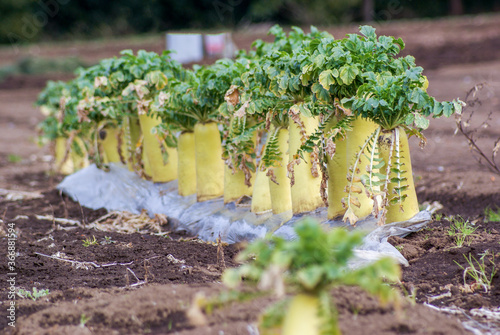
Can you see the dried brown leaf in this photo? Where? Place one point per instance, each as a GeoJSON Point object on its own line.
{"type": "Point", "coordinates": [270, 174]}
{"type": "Point", "coordinates": [290, 170]}
{"type": "Point", "coordinates": [350, 216]}
{"type": "Point", "coordinates": [241, 112]}
{"type": "Point", "coordinates": [315, 162]}
{"type": "Point", "coordinates": [232, 95]}
{"type": "Point", "coordinates": [323, 188]}
{"type": "Point", "coordinates": [354, 201]}
{"type": "Point", "coordinates": [356, 189]}
{"type": "Point", "coordinates": [330, 147]}
{"type": "Point", "coordinates": [496, 148]}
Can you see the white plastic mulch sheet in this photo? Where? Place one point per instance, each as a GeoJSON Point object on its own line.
{"type": "Point", "coordinates": [122, 190]}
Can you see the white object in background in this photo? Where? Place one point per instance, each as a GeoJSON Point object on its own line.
{"type": "Point", "coordinates": [220, 45]}
{"type": "Point", "coordinates": [186, 48]}
{"type": "Point", "coordinates": [214, 44]}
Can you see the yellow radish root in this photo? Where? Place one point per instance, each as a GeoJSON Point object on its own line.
{"type": "Point", "coordinates": [209, 163]}
{"type": "Point", "coordinates": [162, 169]}
{"type": "Point", "coordinates": [306, 188]}
{"type": "Point", "coordinates": [391, 142]}
{"type": "Point", "coordinates": [186, 164]}
{"type": "Point", "coordinates": [279, 184]}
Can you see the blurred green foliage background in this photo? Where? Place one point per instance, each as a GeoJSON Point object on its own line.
{"type": "Point", "coordinates": [35, 20]}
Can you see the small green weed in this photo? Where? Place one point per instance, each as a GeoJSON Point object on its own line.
{"type": "Point", "coordinates": [32, 295]}
{"type": "Point", "coordinates": [430, 230]}
{"type": "Point", "coordinates": [90, 241]}
{"type": "Point", "coordinates": [492, 216]}
{"type": "Point", "coordinates": [84, 319]}
{"type": "Point", "coordinates": [399, 248]}
{"type": "Point", "coordinates": [477, 270]}
{"type": "Point", "coordinates": [13, 158]}
{"type": "Point", "coordinates": [107, 240]}
{"type": "Point", "coordinates": [438, 216]}
{"type": "Point", "coordinates": [460, 229]}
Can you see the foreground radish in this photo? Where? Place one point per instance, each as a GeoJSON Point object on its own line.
{"type": "Point", "coordinates": [308, 267]}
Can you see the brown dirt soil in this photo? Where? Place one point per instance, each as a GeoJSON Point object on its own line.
{"type": "Point", "coordinates": [159, 304]}
{"type": "Point", "coordinates": [435, 255]}
{"type": "Point", "coordinates": [457, 53]}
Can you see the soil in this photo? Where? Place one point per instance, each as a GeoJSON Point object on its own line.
{"type": "Point", "coordinates": [145, 281]}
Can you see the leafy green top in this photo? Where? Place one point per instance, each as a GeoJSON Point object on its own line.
{"type": "Point", "coordinates": [335, 70]}
{"type": "Point", "coordinates": [50, 101]}
{"type": "Point", "coordinates": [313, 262]}
{"type": "Point", "coordinates": [59, 102]}
{"type": "Point", "coordinates": [395, 100]}
{"type": "Point", "coordinates": [271, 87]}
{"type": "Point", "coordinates": [335, 67]}
{"type": "Point", "coordinates": [203, 91]}
{"type": "Point", "coordinates": [127, 83]}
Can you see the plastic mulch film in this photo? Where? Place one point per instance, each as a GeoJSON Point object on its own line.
{"type": "Point", "coordinates": [122, 190]}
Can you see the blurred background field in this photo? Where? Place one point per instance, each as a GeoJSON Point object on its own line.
{"type": "Point", "coordinates": [457, 43]}
{"type": "Point", "coordinates": [57, 36]}
{"type": "Point", "coordinates": [42, 20]}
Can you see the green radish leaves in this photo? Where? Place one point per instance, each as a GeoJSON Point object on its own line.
{"type": "Point", "coordinates": [310, 277]}
{"type": "Point", "coordinates": [392, 100]}
{"type": "Point", "coordinates": [327, 78]}
{"type": "Point", "coordinates": [348, 73]}
{"type": "Point", "coordinates": [313, 263]}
